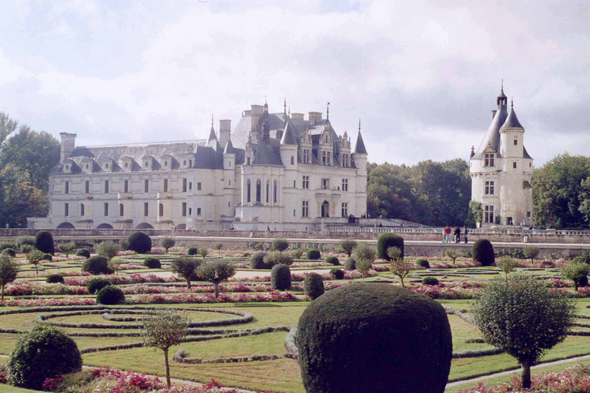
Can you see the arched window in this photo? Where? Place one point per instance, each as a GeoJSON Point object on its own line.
{"type": "Point", "coordinates": [121, 210]}
{"type": "Point", "coordinates": [267, 191]}
{"type": "Point", "coordinates": [248, 191]}
{"type": "Point", "coordinates": [275, 192]}
{"type": "Point", "coordinates": [161, 210]}
{"type": "Point", "coordinates": [258, 191]}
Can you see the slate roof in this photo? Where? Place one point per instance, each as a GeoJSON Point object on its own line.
{"type": "Point", "coordinates": [289, 135]}
{"type": "Point", "coordinates": [512, 120]}
{"type": "Point", "coordinates": [359, 146]}
{"type": "Point", "coordinates": [493, 134]}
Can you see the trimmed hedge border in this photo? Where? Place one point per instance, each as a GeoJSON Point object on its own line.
{"type": "Point", "coordinates": [477, 353]}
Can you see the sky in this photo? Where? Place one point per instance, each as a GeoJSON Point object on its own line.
{"type": "Point", "coordinates": [422, 75]}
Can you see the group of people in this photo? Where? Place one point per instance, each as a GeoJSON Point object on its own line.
{"type": "Point", "coordinates": [447, 231]}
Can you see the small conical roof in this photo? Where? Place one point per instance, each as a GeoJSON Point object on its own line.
{"type": "Point", "coordinates": [212, 136]}
{"type": "Point", "coordinates": [359, 147]}
{"type": "Point", "coordinates": [512, 120]}
{"type": "Point", "coordinates": [229, 148]}
{"type": "Point", "coordinates": [288, 136]}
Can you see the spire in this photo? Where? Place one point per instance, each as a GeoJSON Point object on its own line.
{"type": "Point", "coordinates": [212, 136]}
{"type": "Point", "coordinates": [472, 151]}
{"type": "Point", "coordinates": [288, 136]}
{"type": "Point", "coordinates": [285, 108]}
{"type": "Point", "coordinates": [229, 148]}
{"type": "Point", "coordinates": [328, 112]}
{"type": "Point", "coordinates": [512, 120]}
{"type": "Point", "coordinates": [359, 147]}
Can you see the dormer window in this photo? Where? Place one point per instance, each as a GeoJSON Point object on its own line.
{"type": "Point", "coordinates": [87, 166]}
{"type": "Point", "coordinates": [147, 164]}
{"type": "Point", "coordinates": [106, 166]}
{"type": "Point", "coordinates": [165, 163]}
{"type": "Point", "coordinates": [489, 159]}
{"type": "Point", "coordinates": [67, 167]}
{"type": "Point", "coordinates": [126, 165]}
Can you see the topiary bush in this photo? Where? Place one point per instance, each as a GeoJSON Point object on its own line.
{"type": "Point", "coordinates": [430, 281]}
{"type": "Point", "coordinates": [257, 261]}
{"type": "Point", "coordinates": [110, 295]}
{"type": "Point", "coordinates": [55, 279]}
{"type": "Point", "coordinates": [280, 277]}
{"type": "Point", "coordinates": [26, 248]}
{"type": "Point", "coordinates": [140, 243]}
{"type": "Point", "coordinates": [44, 242]}
{"type": "Point", "coordinates": [30, 240]}
{"type": "Point", "coordinates": [192, 251]}
{"type": "Point", "coordinates": [313, 285]}
{"type": "Point", "coordinates": [43, 352]}
{"type": "Point", "coordinates": [9, 252]}
{"type": "Point", "coordinates": [96, 265]}
{"type": "Point", "coordinates": [47, 257]}
{"type": "Point", "coordinates": [276, 258]}
{"type": "Point", "coordinates": [423, 262]}
{"type": "Point", "coordinates": [297, 253]}
{"type": "Point", "coordinates": [350, 264]}
{"type": "Point", "coordinates": [377, 338]}
{"type": "Point", "coordinates": [96, 284]}
{"type": "Point", "coordinates": [83, 252]}
{"type": "Point", "coordinates": [313, 254]}
{"type": "Point", "coordinates": [152, 263]}
{"type": "Point", "coordinates": [333, 260]}
{"type": "Point", "coordinates": [279, 245]}
{"type": "Point", "coordinates": [337, 273]}
{"type": "Point", "coordinates": [387, 240]}
{"type": "Point", "coordinates": [483, 252]}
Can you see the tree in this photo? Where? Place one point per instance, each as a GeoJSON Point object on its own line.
{"type": "Point", "coordinates": [204, 252]}
{"type": "Point", "coordinates": [347, 246]}
{"type": "Point", "coordinates": [8, 271]}
{"type": "Point", "coordinates": [364, 256]}
{"type": "Point", "coordinates": [531, 252]}
{"type": "Point", "coordinates": [575, 271]}
{"type": "Point", "coordinates": [185, 267]}
{"type": "Point", "coordinates": [216, 272]}
{"type": "Point", "coordinates": [506, 265]}
{"type": "Point", "coordinates": [163, 329]}
{"type": "Point", "coordinates": [67, 247]}
{"type": "Point", "coordinates": [108, 249]}
{"type": "Point", "coordinates": [400, 268]}
{"type": "Point", "coordinates": [524, 319]}
{"type": "Point", "coordinates": [35, 257]}
{"type": "Point", "coordinates": [115, 264]}
{"type": "Point", "coordinates": [394, 253]}
{"type": "Point", "coordinates": [451, 253]}
{"type": "Point", "coordinates": [218, 246]}
{"type": "Point", "coordinates": [167, 243]}
{"type": "Point", "coordinates": [279, 245]}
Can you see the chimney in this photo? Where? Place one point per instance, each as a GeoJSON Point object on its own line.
{"type": "Point", "coordinates": [494, 113]}
{"type": "Point", "coordinates": [68, 144]}
{"type": "Point", "coordinates": [313, 116]}
{"type": "Point", "coordinates": [297, 116]}
{"type": "Point", "coordinates": [224, 132]}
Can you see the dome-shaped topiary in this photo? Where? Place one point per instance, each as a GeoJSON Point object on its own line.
{"type": "Point", "coordinates": [42, 353]}
{"type": "Point", "coordinates": [280, 277]}
{"type": "Point", "coordinates": [430, 281]}
{"type": "Point", "coordinates": [9, 252]}
{"type": "Point", "coordinates": [377, 338]}
{"type": "Point", "coordinates": [47, 257]}
{"type": "Point", "coordinates": [337, 273]}
{"type": "Point", "coordinates": [257, 261]}
{"type": "Point", "coordinates": [333, 260]}
{"type": "Point", "coordinates": [110, 295]}
{"type": "Point", "coordinates": [423, 262]}
{"type": "Point", "coordinates": [83, 252]}
{"type": "Point", "coordinates": [96, 284]}
{"type": "Point", "coordinates": [44, 242]}
{"type": "Point", "coordinates": [313, 285]}
{"type": "Point", "coordinates": [152, 263]}
{"type": "Point", "coordinates": [483, 252]}
{"type": "Point", "coordinates": [96, 265]}
{"type": "Point", "coordinates": [350, 264]}
{"type": "Point", "coordinates": [387, 240]}
{"type": "Point", "coordinates": [313, 254]}
{"type": "Point", "coordinates": [55, 279]}
{"type": "Point", "coordinates": [192, 251]}
{"type": "Point", "coordinates": [140, 243]}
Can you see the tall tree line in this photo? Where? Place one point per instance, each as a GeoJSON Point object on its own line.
{"type": "Point", "coordinates": [26, 160]}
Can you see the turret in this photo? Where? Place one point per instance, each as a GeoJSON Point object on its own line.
{"type": "Point", "coordinates": [212, 140]}
{"type": "Point", "coordinates": [288, 148]}
{"type": "Point", "coordinates": [229, 156]}
{"type": "Point", "coordinates": [68, 144]}
{"type": "Point", "coordinates": [360, 152]}
{"type": "Point", "coordinates": [511, 136]}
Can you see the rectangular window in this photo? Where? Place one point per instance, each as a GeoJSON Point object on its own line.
{"type": "Point", "coordinates": [199, 186]}
{"type": "Point", "coordinates": [292, 160]}
{"type": "Point", "coordinates": [528, 214]}
{"type": "Point", "coordinates": [305, 209]}
{"type": "Point", "coordinates": [106, 186]}
{"type": "Point", "coordinates": [184, 182]}
{"type": "Point", "coordinates": [329, 158]}
{"type": "Point", "coordinates": [121, 210]}
{"type": "Point", "coordinates": [146, 210]}
{"type": "Point", "coordinates": [514, 165]}
{"type": "Point", "coordinates": [198, 211]}
{"type": "Point", "coordinates": [126, 186]}
{"type": "Point", "coordinates": [516, 142]}
{"type": "Point", "coordinates": [306, 156]}
{"type": "Point", "coordinates": [190, 163]}
{"type": "Point", "coordinates": [165, 185]}
{"type": "Point", "coordinates": [190, 211]}
{"type": "Point", "coordinates": [230, 182]}
{"type": "Point", "coordinates": [294, 183]}
{"type": "Point", "coordinates": [248, 161]}
{"type": "Point", "coordinates": [489, 188]}
{"type": "Point", "coordinates": [87, 187]}
{"type": "Point", "coordinates": [66, 210]}
{"type": "Point", "coordinates": [275, 192]}
{"type": "Point", "coordinates": [106, 209]}
{"type": "Point", "coordinates": [67, 190]}
{"type": "Point", "coordinates": [489, 160]}
{"type": "Point", "coordinates": [344, 209]}
{"type": "Point", "coordinates": [82, 210]}
{"type": "Point", "coordinates": [305, 184]}
{"type": "Point", "coordinates": [325, 184]}
{"type": "Point", "coordinates": [324, 158]}
{"type": "Point", "coordinates": [184, 209]}
{"type": "Point", "coordinates": [146, 185]}
{"type": "Point", "coordinates": [489, 214]}
{"type": "Point", "coordinates": [344, 184]}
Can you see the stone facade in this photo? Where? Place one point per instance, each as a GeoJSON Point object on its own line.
{"type": "Point", "coordinates": [501, 170]}
{"type": "Point", "coordinates": [276, 170]}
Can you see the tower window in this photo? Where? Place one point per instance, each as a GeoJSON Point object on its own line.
{"type": "Point", "coordinates": [184, 182]}
{"type": "Point", "coordinates": [106, 209]}
{"type": "Point", "coordinates": [165, 185]}
{"type": "Point", "coordinates": [258, 191]}
{"type": "Point", "coordinates": [305, 183]}
{"type": "Point", "coordinates": [515, 142]}
{"type": "Point", "coordinates": [184, 209]}
{"type": "Point", "coordinates": [67, 187]}
{"type": "Point", "coordinates": [146, 185]}
{"type": "Point", "coordinates": [489, 188]}
{"type": "Point", "coordinates": [67, 210]}
{"type": "Point", "coordinates": [121, 210]}
{"type": "Point", "coordinates": [82, 210]}
{"type": "Point", "coordinates": [489, 160]}
{"type": "Point", "coordinates": [106, 187]}
{"type": "Point", "coordinates": [126, 185]}
{"type": "Point", "coordinates": [146, 209]}
{"type": "Point", "coordinates": [489, 214]}
{"type": "Point", "coordinates": [514, 165]}
{"type": "Point", "coordinates": [87, 187]}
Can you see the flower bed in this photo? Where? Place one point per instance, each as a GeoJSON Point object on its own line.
{"type": "Point", "coordinates": [119, 280]}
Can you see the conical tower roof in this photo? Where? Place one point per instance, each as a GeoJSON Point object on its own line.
{"type": "Point", "coordinates": [229, 148]}
{"type": "Point", "coordinates": [512, 120]}
{"type": "Point", "coordinates": [289, 136]}
{"type": "Point", "coordinates": [359, 146]}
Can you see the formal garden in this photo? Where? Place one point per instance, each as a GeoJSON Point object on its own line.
{"type": "Point", "coordinates": [138, 308]}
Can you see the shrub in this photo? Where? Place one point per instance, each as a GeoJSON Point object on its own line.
{"type": "Point", "coordinates": [350, 264]}
{"type": "Point", "coordinates": [218, 246]}
{"type": "Point", "coordinates": [507, 265]}
{"type": "Point", "coordinates": [280, 277]}
{"type": "Point", "coordinates": [313, 285]}
{"type": "Point", "coordinates": [124, 243]}
{"type": "Point", "coordinates": [204, 252]}
{"type": "Point", "coordinates": [167, 243]}
{"type": "Point", "coordinates": [413, 354]}
{"type": "Point", "coordinates": [35, 257]}
{"type": "Point", "coordinates": [96, 265]}
{"type": "Point", "coordinates": [531, 252]}
{"type": "Point", "coordinates": [581, 259]}
{"type": "Point", "coordinates": [347, 246]}
{"type": "Point", "coordinates": [152, 263]}
{"type": "Point", "coordinates": [483, 252]}
{"type": "Point", "coordinates": [5, 245]}
{"type": "Point", "coordinates": [430, 281]}
{"type": "Point", "coordinates": [140, 243]}
{"type": "Point", "coordinates": [387, 240]}
{"type": "Point", "coordinates": [43, 352]}
{"type": "Point", "coordinates": [110, 295]}
{"type": "Point", "coordinates": [257, 261]}
{"type": "Point", "coordinates": [364, 256]}
{"type": "Point", "coordinates": [333, 260]}
{"type": "Point", "coordinates": [395, 254]}
{"type": "Point", "coordinates": [297, 253]}
{"type": "Point", "coordinates": [279, 245]}
{"type": "Point", "coordinates": [8, 273]}
{"type": "Point", "coordinates": [96, 284]}
{"type": "Point", "coordinates": [44, 242]}
{"type": "Point", "coordinates": [276, 258]}
{"type": "Point", "coordinates": [186, 268]}
{"type": "Point", "coordinates": [9, 252]}
{"type": "Point", "coordinates": [108, 249]}
{"type": "Point", "coordinates": [337, 273]}
{"type": "Point", "coordinates": [192, 251]}
{"type": "Point", "coordinates": [26, 248]}
{"type": "Point", "coordinates": [451, 254]}
{"type": "Point", "coordinates": [67, 248]}
{"type": "Point", "coordinates": [313, 254]}
{"type": "Point", "coordinates": [47, 257]}
{"type": "Point", "coordinates": [30, 240]}
{"type": "Point", "coordinates": [55, 279]}
{"type": "Point", "coordinates": [83, 252]}
{"type": "Point", "coordinates": [423, 262]}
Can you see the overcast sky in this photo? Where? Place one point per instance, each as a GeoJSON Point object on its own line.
{"type": "Point", "coordinates": [422, 75]}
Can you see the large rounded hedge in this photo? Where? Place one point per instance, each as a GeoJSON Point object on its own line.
{"type": "Point", "coordinates": [96, 284]}
{"type": "Point", "coordinates": [152, 263]}
{"type": "Point", "coordinates": [140, 243]}
{"type": "Point", "coordinates": [9, 252]}
{"type": "Point", "coordinates": [96, 265]}
{"type": "Point", "coordinates": [257, 261]}
{"type": "Point", "coordinates": [483, 252]}
{"type": "Point", "coordinates": [337, 273]}
{"type": "Point", "coordinates": [83, 252]}
{"type": "Point", "coordinates": [374, 338]}
{"type": "Point", "coordinates": [423, 263]}
{"type": "Point", "coordinates": [387, 240]}
{"type": "Point", "coordinates": [110, 295]}
{"type": "Point", "coordinates": [280, 277]}
{"type": "Point", "coordinates": [313, 285]}
{"type": "Point", "coordinates": [44, 352]}
{"type": "Point", "coordinates": [55, 279]}
{"type": "Point", "coordinates": [44, 242]}
{"type": "Point", "coordinates": [350, 264]}
{"type": "Point", "coordinates": [333, 260]}
{"type": "Point", "coordinates": [313, 254]}
{"type": "Point", "coordinates": [192, 251]}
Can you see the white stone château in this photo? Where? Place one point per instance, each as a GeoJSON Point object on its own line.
{"type": "Point", "coordinates": [501, 170]}
{"type": "Point", "coordinates": [276, 170]}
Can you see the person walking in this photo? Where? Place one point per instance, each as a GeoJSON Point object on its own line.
{"type": "Point", "coordinates": [447, 238]}
{"type": "Point", "coordinates": [457, 235]}
{"type": "Point", "coordinates": [465, 232]}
